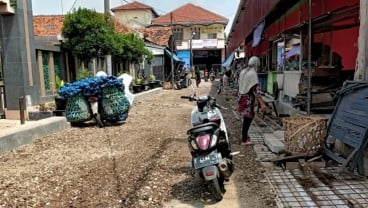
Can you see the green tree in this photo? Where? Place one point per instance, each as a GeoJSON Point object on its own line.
{"type": "Point", "coordinates": [87, 34]}
{"type": "Point", "coordinates": [131, 48]}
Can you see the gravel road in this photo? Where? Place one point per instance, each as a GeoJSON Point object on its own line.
{"type": "Point", "coordinates": [144, 162]}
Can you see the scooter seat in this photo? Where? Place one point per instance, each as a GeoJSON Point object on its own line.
{"type": "Point", "coordinates": [210, 126]}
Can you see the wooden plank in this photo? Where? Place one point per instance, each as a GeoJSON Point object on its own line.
{"type": "Point", "coordinates": [287, 158]}
{"type": "Point", "coordinates": [292, 165]}
{"type": "Point", "coordinates": [314, 158]}
{"type": "Point", "coordinates": [317, 164]}
{"type": "Point", "coordinates": [311, 165]}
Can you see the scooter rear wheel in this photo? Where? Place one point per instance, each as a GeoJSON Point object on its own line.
{"type": "Point", "coordinates": [99, 121]}
{"type": "Point", "coordinates": [217, 188]}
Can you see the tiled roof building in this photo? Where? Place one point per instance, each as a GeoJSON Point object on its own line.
{"type": "Point", "coordinates": [51, 25]}
{"type": "Point", "coordinates": [48, 25]}
{"type": "Point", "coordinates": [134, 6]}
{"type": "Point", "coordinates": [190, 14]}
{"type": "Point", "coordinates": [135, 14]}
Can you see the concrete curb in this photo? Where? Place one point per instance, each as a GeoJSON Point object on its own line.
{"type": "Point", "coordinates": [140, 96]}
{"type": "Point", "coordinates": [27, 133]}
{"type": "Point", "coordinates": [17, 135]}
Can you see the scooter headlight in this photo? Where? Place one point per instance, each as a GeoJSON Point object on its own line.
{"type": "Point", "coordinates": [194, 145]}
{"type": "Point", "coordinates": [214, 140]}
{"type": "Point", "coordinates": [203, 141]}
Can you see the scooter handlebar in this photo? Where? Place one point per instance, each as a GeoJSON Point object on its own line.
{"type": "Point", "coordinates": [190, 98]}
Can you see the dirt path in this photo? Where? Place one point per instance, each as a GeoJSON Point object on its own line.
{"type": "Point", "coordinates": [142, 163]}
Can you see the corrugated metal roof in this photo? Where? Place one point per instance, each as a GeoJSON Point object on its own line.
{"type": "Point", "coordinates": [250, 13]}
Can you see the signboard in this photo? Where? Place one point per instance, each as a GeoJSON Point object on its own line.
{"type": "Point", "coordinates": [206, 43]}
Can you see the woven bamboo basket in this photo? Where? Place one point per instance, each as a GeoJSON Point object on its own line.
{"type": "Point", "coordinates": [114, 102]}
{"type": "Point", "coordinates": [304, 134]}
{"type": "Point", "coordinates": [77, 109]}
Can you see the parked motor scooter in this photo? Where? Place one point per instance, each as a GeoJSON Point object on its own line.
{"type": "Point", "coordinates": [209, 145]}
{"type": "Point", "coordinates": [206, 74]}
{"type": "Point", "coordinates": [212, 75]}
{"type": "Point", "coordinates": [181, 81]}
{"type": "Point", "coordinates": [97, 105]}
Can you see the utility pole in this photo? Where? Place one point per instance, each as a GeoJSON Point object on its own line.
{"type": "Point", "coordinates": [108, 56]}
{"type": "Point", "coordinates": [309, 93]}
{"type": "Point", "coordinates": [361, 72]}
{"type": "Point", "coordinates": [107, 6]}
{"type": "Point", "coordinates": [191, 52]}
{"type": "Point", "coordinates": [172, 51]}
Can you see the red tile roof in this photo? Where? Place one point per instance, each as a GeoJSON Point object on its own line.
{"type": "Point", "coordinates": [134, 6]}
{"type": "Point", "coordinates": [51, 25]}
{"type": "Point", "coordinates": [157, 35]}
{"type": "Point", "coordinates": [190, 14]}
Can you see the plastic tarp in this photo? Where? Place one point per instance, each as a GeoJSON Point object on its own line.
{"type": "Point", "coordinates": [127, 79]}
{"type": "Point", "coordinates": [175, 57]}
{"type": "Point", "coordinates": [185, 57]}
{"type": "Point", "coordinates": [228, 60]}
{"type": "Point", "coordinates": [257, 34]}
{"type": "Point", "coordinates": [295, 50]}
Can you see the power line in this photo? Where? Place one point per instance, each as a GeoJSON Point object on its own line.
{"type": "Point", "coordinates": [75, 1]}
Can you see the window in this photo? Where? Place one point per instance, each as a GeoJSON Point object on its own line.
{"type": "Point", "coordinates": [212, 35]}
{"type": "Point", "coordinates": [45, 68]}
{"type": "Point", "coordinates": [197, 35]}
{"type": "Point", "coordinates": [197, 31]}
{"type": "Point", "coordinates": [178, 34]}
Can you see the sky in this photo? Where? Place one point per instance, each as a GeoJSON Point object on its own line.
{"type": "Point", "coordinates": [225, 8]}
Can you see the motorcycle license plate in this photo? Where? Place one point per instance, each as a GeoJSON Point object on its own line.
{"type": "Point", "coordinates": [208, 160]}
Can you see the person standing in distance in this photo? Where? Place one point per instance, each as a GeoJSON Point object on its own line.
{"type": "Point", "coordinates": [249, 92]}
{"type": "Point", "coordinates": [197, 77]}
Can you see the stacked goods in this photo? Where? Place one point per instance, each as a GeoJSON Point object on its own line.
{"type": "Point", "coordinates": [108, 89]}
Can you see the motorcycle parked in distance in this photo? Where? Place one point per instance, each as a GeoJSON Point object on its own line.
{"type": "Point", "coordinates": [209, 145]}
{"type": "Point", "coordinates": [206, 75]}
{"type": "Point", "coordinates": [180, 82]}
{"type": "Point", "coordinates": [212, 75]}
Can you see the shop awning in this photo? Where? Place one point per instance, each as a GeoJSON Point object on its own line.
{"type": "Point", "coordinates": [175, 57]}
{"type": "Point", "coordinates": [228, 60]}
